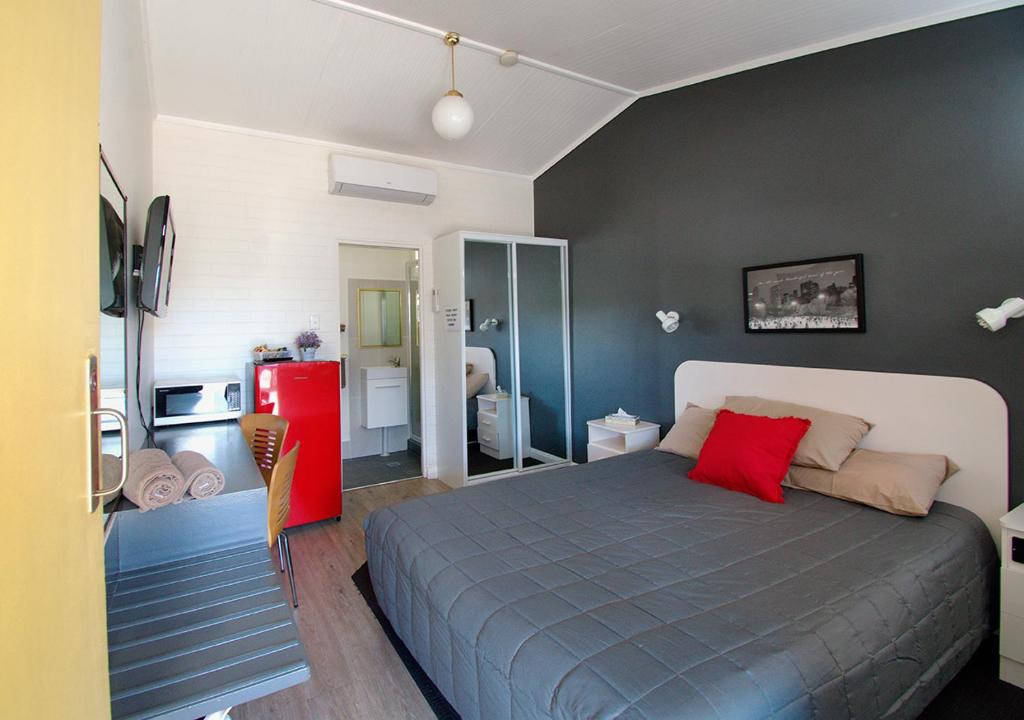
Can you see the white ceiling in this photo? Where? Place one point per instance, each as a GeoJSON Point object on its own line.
{"type": "Point", "coordinates": [317, 70]}
{"type": "Point", "coordinates": [647, 44]}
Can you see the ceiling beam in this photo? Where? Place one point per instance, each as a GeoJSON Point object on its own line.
{"type": "Point", "coordinates": [476, 45]}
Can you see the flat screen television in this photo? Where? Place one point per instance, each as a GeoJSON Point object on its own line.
{"type": "Point", "coordinates": [157, 257]}
{"type": "Point", "coordinates": [112, 260]}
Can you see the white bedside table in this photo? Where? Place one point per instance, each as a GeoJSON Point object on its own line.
{"type": "Point", "coordinates": [1011, 601]}
{"type": "Point", "coordinates": [606, 440]}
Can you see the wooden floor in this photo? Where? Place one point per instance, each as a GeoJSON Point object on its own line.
{"type": "Point", "coordinates": [355, 671]}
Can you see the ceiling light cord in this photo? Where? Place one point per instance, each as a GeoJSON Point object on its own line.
{"type": "Point", "coordinates": [452, 115]}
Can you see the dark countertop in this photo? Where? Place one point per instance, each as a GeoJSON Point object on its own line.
{"type": "Point", "coordinates": [222, 443]}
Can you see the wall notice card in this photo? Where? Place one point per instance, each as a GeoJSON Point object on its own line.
{"type": "Point", "coordinates": [451, 319]}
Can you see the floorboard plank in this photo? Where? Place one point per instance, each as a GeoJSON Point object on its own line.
{"type": "Point", "coordinates": [355, 671]}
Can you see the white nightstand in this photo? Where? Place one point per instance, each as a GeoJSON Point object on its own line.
{"type": "Point", "coordinates": [1011, 602]}
{"type": "Point", "coordinates": [494, 425]}
{"type": "Point", "coordinates": [606, 440]}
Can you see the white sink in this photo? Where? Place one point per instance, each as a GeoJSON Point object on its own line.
{"type": "Point", "coordinates": [383, 372]}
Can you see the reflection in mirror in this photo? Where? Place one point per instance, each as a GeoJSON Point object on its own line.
{"type": "Point", "coordinates": [542, 352]}
{"type": "Point", "coordinates": [412, 276]}
{"type": "Point", "coordinates": [113, 271]}
{"type": "Point", "coordinates": [380, 318]}
{"type": "Point", "coordinates": [490, 413]}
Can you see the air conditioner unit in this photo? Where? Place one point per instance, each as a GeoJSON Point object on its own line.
{"type": "Point", "coordinates": [377, 180]}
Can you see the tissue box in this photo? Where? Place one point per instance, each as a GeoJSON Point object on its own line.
{"type": "Point", "coordinates": [625, 420]}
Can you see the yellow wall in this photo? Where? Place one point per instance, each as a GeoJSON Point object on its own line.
{"type": "Point", "coordinates": [52, 625]}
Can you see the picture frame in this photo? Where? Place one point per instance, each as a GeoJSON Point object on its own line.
{"type": "Point", "coordinates": [821, 295]}
{"type": "Point", "coordinates": [467, 317]}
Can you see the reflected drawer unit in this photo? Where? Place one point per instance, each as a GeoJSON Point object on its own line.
{"type": "Point", "coordinates": [495, 426]}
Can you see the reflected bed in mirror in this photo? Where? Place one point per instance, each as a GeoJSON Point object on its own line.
{"type": "Point", "coordinates": [380, 317]}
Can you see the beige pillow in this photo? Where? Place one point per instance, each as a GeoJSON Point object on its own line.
{"type": "Point", "coordinates": [475, 383]}
{"type": "Point", "coordinates": [830, 440]}
{"type": "Point", "coordinates": [899, 483]}
{"type": "Point", "coordinates": [687, 436]}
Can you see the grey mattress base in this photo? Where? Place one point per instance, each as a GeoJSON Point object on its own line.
{"type": "Point", "coordinates": [622, 589]}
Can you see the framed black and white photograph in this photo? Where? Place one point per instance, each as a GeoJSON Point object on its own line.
{"type": "Point", "coordinates": [822, 295]}
{"type": "Point", "coordinates": [467, 317]}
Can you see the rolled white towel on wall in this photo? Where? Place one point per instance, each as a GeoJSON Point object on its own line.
{"type": "Point", "coordinates": [153, 480]}
{"type": "Point", "coordinates": [202, 478]}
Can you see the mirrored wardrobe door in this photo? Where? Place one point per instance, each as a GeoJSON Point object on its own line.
{"type": "Point", "coordinates": [114, 272]}
{"type": "Point", "coordinates": [489, 329]}
{"type": "Point", "coordinates": [542, 353]}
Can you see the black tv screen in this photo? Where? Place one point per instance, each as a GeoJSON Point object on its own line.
{"type": "Point", "coordinates": [157, 257]}
{"type": "Point", "coordinates": [112, 260]}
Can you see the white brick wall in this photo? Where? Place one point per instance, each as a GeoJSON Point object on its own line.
{"type": "Point", "coordinates": [126, 126]}
{"type": "Point", "coordinates": [258, 239]}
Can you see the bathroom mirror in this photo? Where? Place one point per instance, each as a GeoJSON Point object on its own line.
{"type": "Point", "coordinates": [380, 317]}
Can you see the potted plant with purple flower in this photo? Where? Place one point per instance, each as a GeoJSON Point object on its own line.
{"type": "Point", "coordinates": [308, 341]}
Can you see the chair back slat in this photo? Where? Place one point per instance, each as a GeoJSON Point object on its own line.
{"type": "Point", "coordinates": [280, 494]}
{"type": "Point", "coordinates": [265, 434]}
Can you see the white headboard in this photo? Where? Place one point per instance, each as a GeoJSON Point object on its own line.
{"type": "Point", "coordinates": [483, 361]}
{"type": "Point", "coordinates": [961, 418]}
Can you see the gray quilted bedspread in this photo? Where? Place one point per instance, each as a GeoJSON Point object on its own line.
{"type": "Point", "coordinates": [621, 589]}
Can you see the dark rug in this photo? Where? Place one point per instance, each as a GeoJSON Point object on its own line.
{"type": "Point", "coordinates": [442, 709]}
{"type": "Point", "coordinates": [976, 691]}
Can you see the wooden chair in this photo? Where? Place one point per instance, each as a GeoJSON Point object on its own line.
{"type": "Point", "coordinates": [265, 435]}
{"type": "Point", "coordinates": [278, 506]}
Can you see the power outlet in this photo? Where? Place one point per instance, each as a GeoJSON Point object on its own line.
{"type": "Point", "coordinates": [314, 322]}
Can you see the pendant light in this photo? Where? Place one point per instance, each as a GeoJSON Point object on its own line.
{"type": "Point", "coordinates": [452, 116]}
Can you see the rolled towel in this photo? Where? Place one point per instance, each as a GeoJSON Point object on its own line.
{"type": "Point", "coordinates": [202, 477]}
{"type": "Point", "coordinates": [153, 480]}
{"type": "Point", "coordinates": [111, 475]}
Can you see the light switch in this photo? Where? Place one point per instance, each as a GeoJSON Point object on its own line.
{"type": "Point", "coordinates": [314, 322]}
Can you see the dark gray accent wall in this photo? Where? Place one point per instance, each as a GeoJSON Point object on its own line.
{"type": "Point", "coordinates": [909, 149]}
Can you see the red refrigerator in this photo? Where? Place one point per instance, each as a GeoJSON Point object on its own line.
{"type": "Point", "coordinates": [307, 395]}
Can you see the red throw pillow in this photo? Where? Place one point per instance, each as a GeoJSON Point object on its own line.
{"type": "Point", "coordinates": [749, 453]}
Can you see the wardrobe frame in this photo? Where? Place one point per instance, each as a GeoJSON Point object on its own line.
{"type": "Point", "coordinates": [448, 309]}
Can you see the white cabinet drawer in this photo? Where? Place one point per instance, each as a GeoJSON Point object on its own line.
{"type": "Point", "coordinates": [385, 402]}
{"type": "Point", "coordinates": [1011, 636]}
{"type": "Point", "coordinates": [1011, 590]}
{"type": "Point", "coordinates": [487, 438]}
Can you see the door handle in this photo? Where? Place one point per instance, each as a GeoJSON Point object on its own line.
{"type": "Point", "coordinates": [96, 489]}
{"type": "Point", "coordinates": [122, 423]}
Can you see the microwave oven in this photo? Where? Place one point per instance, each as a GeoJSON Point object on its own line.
{"type": "Point", "coordinates": [196, 401]}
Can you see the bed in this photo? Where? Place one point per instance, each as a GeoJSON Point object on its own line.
{"type": "Point", "coordinates": [485, 368]}
{"type": "Point", "coordinates": [620, 589]}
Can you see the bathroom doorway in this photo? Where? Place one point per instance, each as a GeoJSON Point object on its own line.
{"type": "Point", "coordinates": [380, 340]}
